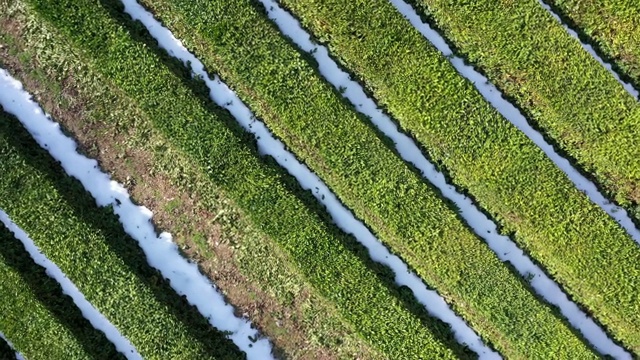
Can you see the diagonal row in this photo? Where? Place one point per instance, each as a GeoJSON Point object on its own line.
{"type": "Point", "coordinates": [397, 194]}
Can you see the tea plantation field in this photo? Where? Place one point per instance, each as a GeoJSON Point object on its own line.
{"type": "Point", "coordinates": [319, 179]}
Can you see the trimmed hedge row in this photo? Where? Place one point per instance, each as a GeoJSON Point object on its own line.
{"type": "Point", "coordinates": [484, 154]}
{"type": "Point", "coordinates": [41, 321]}
{"type": "Point", "coordinates": [233, 37]}
{"type": "Point", "coordinates": [561, 88]}
{"type": "Point", "coordinates": [270, 197]}
{"type": "Point", "coordinates": [91, 248]}
{"type": "Point", "coordinates": [612, 26]}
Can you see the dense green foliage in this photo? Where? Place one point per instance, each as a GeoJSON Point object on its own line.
{"type": "Point", "coordinates": [561, 88]}
{"type": "Point", "coordinates": [304, 324]}
{"type": "Point", "coordinates": [483, 153]}
{"type": "Point", "coordinates": [480, 151]}
{"type": "Point", "coordinates": [342, 148]}
{"type": "Point", "coordinates": [611, 26]}
{"type": "Point", "coordinates": [213, 139]}
{"type": "Point", "coordinates": [41, 321]}
{"type": "Point", "coordinates": [91, 248]}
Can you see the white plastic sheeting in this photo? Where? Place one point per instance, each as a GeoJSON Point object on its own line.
{"type": "Point", "coordinates": [504, 248]}
{"type": "Point", "coordinates": [88, 311]}
{"type": "Point", "coordinates": [269, 145]}
{"type": "Point", "coordinates": [161, 252]}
